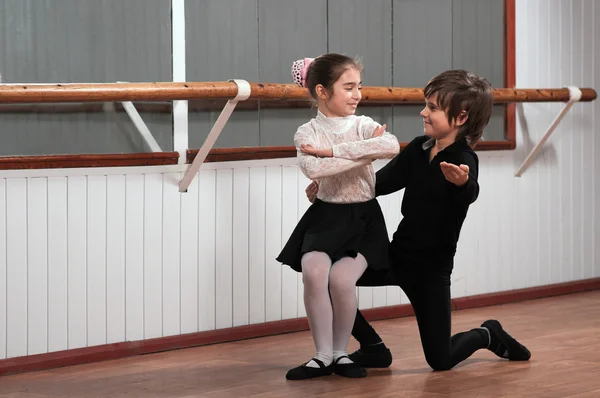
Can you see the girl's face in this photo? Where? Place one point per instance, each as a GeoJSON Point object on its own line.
{"type": "Point", "coordinates": [345, 95]}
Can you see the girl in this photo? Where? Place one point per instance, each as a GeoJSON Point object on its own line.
{"type": "Point", "coordinates": [343, 232]}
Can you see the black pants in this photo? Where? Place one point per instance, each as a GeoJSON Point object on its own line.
{"type": "Point", "coordinates": [428, 289]}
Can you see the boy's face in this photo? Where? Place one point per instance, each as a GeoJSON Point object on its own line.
{"type": "Point", "coordinates": [435, 120]}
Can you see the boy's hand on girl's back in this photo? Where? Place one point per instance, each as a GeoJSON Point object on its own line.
{"type": "Point", "coordinates": [311, 191]}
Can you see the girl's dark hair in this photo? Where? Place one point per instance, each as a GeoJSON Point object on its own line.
{"type": "Point", "coordinates": [459, 90]}
{"type": "Point", "coordinates": [326, 70]}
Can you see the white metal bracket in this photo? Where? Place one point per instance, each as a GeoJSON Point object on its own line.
{"type": "Point", "coordinates": [138, 122]}
{"type": "Point", "coordinates": [575, 96]}
{"type": "Point", "coordinates": [242, 95]}
{"type": "Point", "coordinates": [141, 126]}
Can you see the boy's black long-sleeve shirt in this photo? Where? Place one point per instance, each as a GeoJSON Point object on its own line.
{"type": "Point", "coordinates": [433, 208]}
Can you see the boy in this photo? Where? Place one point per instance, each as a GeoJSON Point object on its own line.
{"type": "Point", "coordinates": [439, 174]}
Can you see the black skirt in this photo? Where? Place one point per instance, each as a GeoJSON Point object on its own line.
{"type": "Point", "coordinates": [339, 230]}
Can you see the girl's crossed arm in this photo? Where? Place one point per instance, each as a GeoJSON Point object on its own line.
{"type": "Point", "coordinates": [314, 167]}
{"type": "Point", "coordinates": [376, 143]}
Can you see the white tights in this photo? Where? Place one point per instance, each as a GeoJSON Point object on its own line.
{"type": "Point", "coordinates": [330, 302]}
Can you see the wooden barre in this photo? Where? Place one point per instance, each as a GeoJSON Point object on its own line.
{"type": "Point", "coordinates": [167, 91]}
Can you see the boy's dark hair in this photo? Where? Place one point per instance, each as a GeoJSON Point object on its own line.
{"type": "Point", "coordinates": [459, 90]}
{"type": "Point", "coordinates": [326, 69]}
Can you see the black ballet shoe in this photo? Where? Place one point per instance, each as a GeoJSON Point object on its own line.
{"type": "Point", "coordinates": [504, 345]}
{"type": "Point", "coordinates": [372, 359]}
{"type": "Point", "coordinates": [304, 372]}
{"type": "Point", "coordinates": [351, 370]}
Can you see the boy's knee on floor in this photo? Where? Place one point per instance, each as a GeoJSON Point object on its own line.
{"type": "Point", "coordinates": [439, 363]}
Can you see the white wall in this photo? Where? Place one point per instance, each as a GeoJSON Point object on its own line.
{"type": "Point", "coordinates": [96, 256]}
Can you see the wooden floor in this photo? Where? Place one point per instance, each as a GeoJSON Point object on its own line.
{"type": "Point", "coordinates": [563, 334]}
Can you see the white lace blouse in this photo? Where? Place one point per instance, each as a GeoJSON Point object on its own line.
{"type": "Point", "coordinates": [347, 177]}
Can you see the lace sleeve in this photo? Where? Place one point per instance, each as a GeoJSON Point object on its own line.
{"type": "Point", "coordinates": [383, 147]}
{"type": "Point", "coordinates": [313, 167]}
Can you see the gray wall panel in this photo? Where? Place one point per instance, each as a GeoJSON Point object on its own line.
{"type": "Point", "coordinates": [422, 49]}
{"type": "Point", "coordinates": [83, 41]}
{"type": "Point", "coordinates": [364, 29]}
{"type": "Point", "coordinates": [222, 44]}
{"type": "Point", "coordinates": [401, 42]}
{"type": "Point", "coordinates": [287, 31]}
{"type": "Point", "coordinates": [478, 46]}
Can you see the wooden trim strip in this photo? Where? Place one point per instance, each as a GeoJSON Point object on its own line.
{"type": "Point", "coordinates": [132, 348]}
{"type": "Point", "coordinates": [277, 152]}
{"type": "Point", "coordinates": [510, 71]}
{"type": "Point", "coordinates": [245, 153]}
{"type": "Point", "coordinates": [91, 160]}
{"type": "Point", "coordinates": [168, 158]}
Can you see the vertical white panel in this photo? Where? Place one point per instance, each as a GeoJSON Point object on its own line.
{"type": "Point", "coordinates": [519, 238]}
{"type": "Point", "coordinates": [470, 270]}
{"type": "Point", "coordinates": [37, 266]}
{"type": "Point", "coordinates": [565, 137]}
{"type": "Point", "coordinates": [501, 212]}
{"type": "Point", "coordinates": [153, 184]}
{"type": "Point", "coordinates": [16, 267]}
{"type": "Point", "coordinates": [171, 210]}
{"type": "Point", "coordinates": [554, 54]}
{"type": "Point", "coordinates": [273, 243]}
{"type": "Point", "coordinates": [546, 179]}
{"type": "Point", "coordinates": [393, 215]}
{"type": "Point", "coordinates": [462, 275]}
{"type": "Point", "coordinates": [241, 187]}
{"type": "Point", "coordinates": [289, 277]}
{"type": "Point", "coordinates": [506, 229]}
{"type": "Point", "coordinates": [488, 231]}
{"type": "Point", "coordinates": [365, 297]}
{"type": "Point", "coordinates": [596, 140]}
{"type": "Point", "coordinates": [535, 185]}
{"type": "Point", "coordinates": [115, 258]}
{"type": "Point", "coordinates": [207, 241]}
{"type": "Point", "coordinates": [379, 296]}
{"type": "Point", "coordinates": [96, 260]}
{"type": "Point", "coordinates": [3, 285]}
{"type": "Point", "coordinates": [224, 246]}
{"type": "Point", "coordinates": [57, 264]}
{"type": "Point", "coordinates": [257, 243]}
{"type": "Point", "coordinates": [134, 256]}
{"type": "Point", "coordinates": [577, 138]}
{"type": "Point", "coordinates": [527, 231]}
{"type": "Point", "coordinates": [77, 260]}
{"type": "Point", "coordinates": [189, 258]}
{"type": "Point", "coordinates": [303, 205]}
{"type": "Point", "coordinates": [588, 141]}
{"type": "Point", "coordinates": [520, 216]}
{"type": "Point", "coordinates": [464, 268]}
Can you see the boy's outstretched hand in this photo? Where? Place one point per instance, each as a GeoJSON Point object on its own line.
{"type": "Point", "coordinates": [455, 174]}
